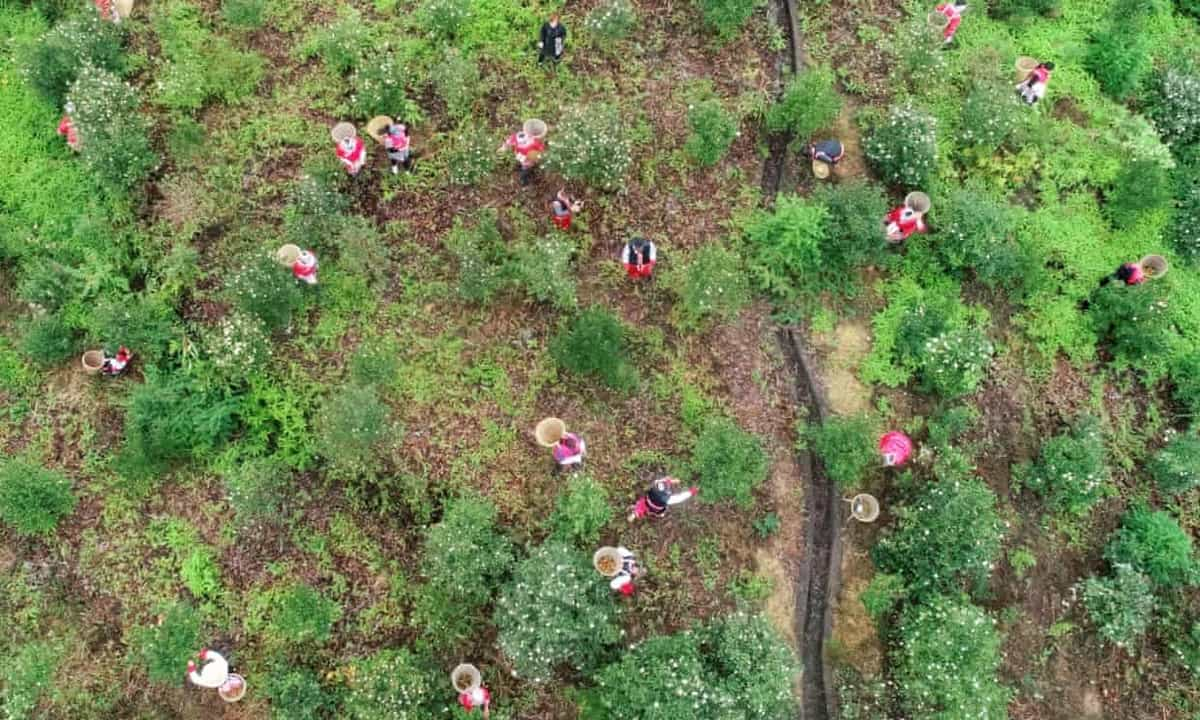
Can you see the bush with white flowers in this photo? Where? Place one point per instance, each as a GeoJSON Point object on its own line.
{"type": "Point", "coordinates": [1121, 606]}
{"type": "Point", "coordinates": [712, 285]}
{"type": "Point", "coordinates": [388, 685]}
{"type": "Point", "coordinates": [238, 345]}
{"type": "Point", "coordinates": [112, 132]}
{"type": "Point", "coordinates": [611, 20]}
{"type": "Point", "coordinates": [955, 362]}
{"type": "Point", "coordinates": [903, 147]}
{"type": "Point", "coordinates": [1071, 471]}
{"type": "Point", "coordinates": [471, 156]}
{"type": "Point", "coordinates": [591, 145]}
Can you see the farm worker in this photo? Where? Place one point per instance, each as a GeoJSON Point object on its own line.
{"type": "Point", "coordinates": [351, 152]}
{"type": "Point", "coordinates": [902, 222]}
{"type": "Point", "coordinates": [570, 450]}
{"type": "Point", "coordinates": [305, 267]}
{"type": "Point", "coordinates": [660, 497]}
{"type": "Point", "coordinates": [66, 128]}
{"type": "Point", "coordinates": [526, 149]}
{"type": "Point", "coordinates": [953, 12]}
{"type": "Point", "coordinates": [1033, 87]}
{"type": "Point", "coordinates": [829, 152]}
{"type": "Point", "coordinates": [622, 582]}
{"type": "Point", "coordinates": [895, 447]}
{"type": "Point", "coordinates": [213, 674]}
{"type": "Point", "coordinates": [108, 10]}
{"type": "Point", "coordinates": [1128, 273]}
{"type": "Point", "coordinates": [478, 697]}
{"type": "Point", "coordinates": [639, 256]}
{"type": "Point", "coordinates": [115, 365]}
{"type": "Point", "coordinates": [553, 40]}
{"type": "Point", "coordinates": [563, 209]}
{"type": "Point", "coordinates": [398, 146]}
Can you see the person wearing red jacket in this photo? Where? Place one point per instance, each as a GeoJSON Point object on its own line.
{"type": "Point", "coordinates": [398, 146]}
{"type": "Point", "coordinates": [352, 153]}
{"type": "Point", "coordinates": [1033, 87]}
{"type": "Point", "coordinates": [116, 364]}
{"type": "Point", "coordinates": [527, 149]}
{"type": "Point", "coordinates": [639, 257]}
{"type": "Point", "coordinates": [953, 12]}
{"type": "Point", "coordinates": [622, 582]}
{"type": "Point", "coordinates": [478, 697]}
{"type": "Point", "coordinates": [563, 209]}
{"type": "Point", "coordinates": [66, 128]}
{"type": "Point", "coordinates": [902, 222]}
{"type": "Point", "coordinates": [305, 267]}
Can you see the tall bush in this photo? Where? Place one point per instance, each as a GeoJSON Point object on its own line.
{"type": "Point", "coordinates": [712, 129]}
{"type": "Point", "coordinates": [170, 419]}
{"type": "Point", "coordinates": [977, 233]}
{"type": "Point", "coordinates": [725, 18]}
{"type": "Point", "coordinates": [955, 362]}
{"type": "Point", "coordinates": [846, 446]}
{"type": "Point", "coordinates": [903, 147]}
{"type": "Point", "coordinates": [990, 114]}
{"type": "Point", "coordinates": [809, 103]}
{"type": "Point", "coordinates": [553, 613]}
{"type": "Point", "coordinates": [581, 511]}
{"type": "Point", "coordinates": [1131, 321]}
{"type": "Point", "coordinates": [33, 498]}
{"type": "Point", "coordinates": [1176, 467]}
{"type": "Point", "coordinates": [1185, 225]}
{"type": "Point", "coordinates": [165, 647]}
{"type": "Point", "coordinates": [1119, 56]}
{"type": "Point", "coordinates": [785, 245]}
{"type": "Point", "coordinates": [481, 255]}
{"type": "Point", "coordinates": [593, 343]}
{"type": "Point", "coordinates": [352, 423]}
{"type": "Point", "coordinates": [389, 685]}
{"type": "Point", "coordinates": [852, 237]}
{"type": "Point", "coordinates": [52, 62]}
{"type": "Point", "coordinates": [729, 462]}
{"type": "Point", "coordinates": [114, 135]}
{"type": "Point", "coordinates": [1173, 103]}
{"type": "Point", "coordinates": [711, 286]}
{"type": "Point", "coordinates": [591, 145]}
{"type": "Point", "coordinates": [1071, 471]}
{"type": "Point", "coordinates": [1153, 543]}
{"type": "Point", "coordinates": [1142, 186]}
{"type": "Point", "coordinates": [1121, 606]}
{"type": "Point", "coordinates": [48, 340]}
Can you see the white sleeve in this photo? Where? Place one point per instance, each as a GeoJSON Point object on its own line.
{"type": "Point", "coordinates": [680, 497]}
{"type": "Point", "coordinates": [624, 551]}
{"type": "Point", "coordinates": [620, 581]}
{"type": "Point", "coordinates": [625, 254]}
{"type": "Point", "coordinates": [653, 252]}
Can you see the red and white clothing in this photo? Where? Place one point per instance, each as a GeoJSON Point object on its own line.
{"type": "Point", "coordinates": [477, 698]}
{"type": "Point", "coordinates": [622, 582]}
{"type": "Point", "coordinates": [1131, 274]}
{"type": "Point", "coordinates": [639, 256]}
{"type": "Point", "coordinates": [108, 10]}
{"type": "Point", "coordinates": [902, 222]}
{"type": "Point", "coordinates": [116, 365]}
{"type": "Point", "coordinates": [352, 154]}
{"type": "Point", "coordinates": [562, 210]}
{"type": "Point", "coordinates": [953, 13]}
{"type": "Point", "coordinates": [659, 497]}
{"type": "Point", "coordinates": [526, 148]}
{"type": "Point", "coordinates": [1033, 87]}
{"type": "Point", "coordinates": [395, 142]}
{"type": "Point", "coordinates": [895, 447]}
{"type": "Point", "coordinates": [213, 674]}
{"type": "Point", "coordinates": [570, 450]}
{"type": "Point", "coordinates": [305, 267]}
{"type": "Point", "coordinates": [66, 128]}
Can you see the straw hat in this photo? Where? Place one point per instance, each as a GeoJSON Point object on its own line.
{"type": "Point", "coordinates": [614, 561]}
{"type": "Point", "coordinates": [820, 168]}
{"type": "Point", "coordinates": [465, 678]}
{"type": "Point", "coordinates": [549, 431]}
{"type": "Point", "coordinates": [342, 131]}
{"type": "Point", "coordinates": [535, 128]}
{"type": "Point", "coordinates": [918, 201]}
{"type": "Point", "coordinates": [287, 255]}
{"type": "Point", "coordinates": [1154, 266]}
{"type": "Point", "coordinates": [377, 126]}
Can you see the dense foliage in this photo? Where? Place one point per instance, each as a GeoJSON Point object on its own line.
{"type": "Point", "coordinates": [809, 103]}
{"type": "Point", "coordinates": [729, 462]}
{"type": "Point", "coordinates": [1072, 471]}
{"type": "Point", "coordinates": [593, 343]}
{"type": "Point", "coordinates": [846, 446]}
{"type": "Point", "coordinates": [33, 498]}
{"type": "Point", "coordinates": [903, 147]}
{"type": "Point", "coordinates": [1176, 467]}
{"type": "Point", "coordinates": [1121, 605]}
{"type": "Point", "coordinates": [1152, 543]}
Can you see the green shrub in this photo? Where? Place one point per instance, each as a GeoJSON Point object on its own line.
{"type": "Point", "coordinates": [171, 418]}
{"type": "Point", "coordinates": [712, 129]}
{"type": "Point", "coordinates": [917, 51]}
{"type": "Point", "coordinates": [52, 62]}
{"type": "Point", "coordinates": [389, 685]}
{"type": "Point", "coordinates": [444, 18]}
{"type": "Point", "coordinates": [471, 156]}
{"type": "Point", "coordinates": [200, 574]}
{"type": "Point", "coordinates": [1121, 606]}
{"type": "Point", "coordinates": [32, 498]}
{"type": "Point", "coordinates": [809, 103]}
{"type": "Point", "coordinates": [543, 270]}
{"type": "Point", "coordinates": [1142, 186]}
{"type": "Point", "coordinates": [1131, 320]}
{"type": "Point", "coordinates": [729, 462]}
{"type": "Point", "coordinates": [903, 147]}
{"type": "Point", "coordinates": [237, 346]}
{"type": "Point", "coordinates": [1185, 377]}
{"type": "Point", "coordinates": [1021, 8]}
{"type": "Point", "coordinates": [247, 14]}
{"type": "Point", "coordinates": [351, 424]}
{"type": "Point", "coordinates": [882, 595]}
{"type": "Point", "coordinates": [852, 237]}
{"type": "Point", "coordinates": [554, 612]}
{"type": "Point", "coordinates": [262, 289]}
{"type": "Point", "coordinates": [593, 343]}
{"type": "Point", "coordinates": [736, 649]}
{"type": "Point", "coordinates": [989, 116]}
{"type": "Point", "coordinates": [915, 314]}
{"type": "Point", "coordinates": [725, 18]}
{"type": "Point", "coordinates": [945, 662]}
{"type": "Point", "coordinates": [1119, 57]}
{"type": "Point", "coordinates": [379, 86]}
{"type": "Point", "coordinates": [144, 324]}
{"type": "Point", "coordinates": [1185, 225]}
{"type": "Point", "coordinates": [846, 446]}
{"type": "Point", "coordinates": [376, 362]}
{"type": "Point", "coordinates": [296, 693]}
{"type": "Point", "coordinates": [1184, 645]}
{"type": "Point", "coordinates": [464, 558]}
{"type": "Point", "coordinates": [785, 245]}
{"type": "Point", "coordinates": [482, 256]}
{"type": "Point", "coordinates": [300, 615]}
{"type": "Point", "coordinates": [955, 362]}
{"type": "Point", "coordinates": [581, 511]}
{"type": "Point", "coordinates": [457, 83]}
{"type": "Point", "coordinates": [1154, 544]}
{"type": "Point", "coordinates": [165, 647]}
{"type": "Point", "coordinates": [113, 133]}
{"type": "Point", "coordinates": [25, 678]}
{"type": "Point", "coordinates": [1173, 103]}
{"type": "Point", "coordinates": [48, 341]}
{"type": "Point", "coordinates": [611, 21]}
{"type": "Point", "coordinates": [339, 44]}
{"type": "Point", "coordinates": [948, 536]}
{"type": "Point", "coordinates": [1071, 471]}
{"type": "Point", "coordinates": [591, 145]}
{"type": "Point", "coordinates": [1176, 468]}
{"type": "Point", "coordinates": [711, 286]}
{"type": "Point", "coordinates": [258, 490]}
{"type": "Point", "coordinates": [316, 209]}
{"type": "Point", "coordinates": [978, 234]}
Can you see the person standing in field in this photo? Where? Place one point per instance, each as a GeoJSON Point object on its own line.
{"type": "Point", "coordinates": [66, 127]}
{"type": "Point", "coordinates": [1033, 87]}
{"type": "Point", "coordinates": [659, 498]}
{"type": "Point", "coordinates": [305, 267]}
{"type": "Point", "coordinates": [569, 452]}
{"type": "Point", "coordinates": [563, 208]}
{"type": "Point", "coordinates": [639, 257]}
{"type": "Point", "coordinates": [527, 149]}
{"type": "Point", "coordinates": [953, 12]}
{"type": "Point", "coordinates": [398, 146]}
{"type": "Point", "coordinates": [552, 42]}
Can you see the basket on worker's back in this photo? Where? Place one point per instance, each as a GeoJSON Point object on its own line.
{"type": "Point", "coordinates": [1154, 266]}
{"type": "Point", "coordinates": [607, 561]}
{"type": "Point", "coordinates": [465, 678]}
{"type": "Point", "coordinates": [124, 7]}
{"type": "Point", "coordinates": [377, 127]}
{"type": "Point", "coordinates": [535, 128]}
{"type": "Point", "coordinates": [549, 431]}
{"type": "Point", "coordinates": [937, 20]}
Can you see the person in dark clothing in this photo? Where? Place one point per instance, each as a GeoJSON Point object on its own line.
{"type": "Point", "coordinates": [552, 41]}
{"type": "Point", "coordinates": [827, 151]}
{"type": "Point", "coordinates": [1128, 273]}
{"type": "Point", "coordinates": [660, 497]}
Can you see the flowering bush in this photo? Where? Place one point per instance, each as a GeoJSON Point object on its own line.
{"type": "Point", "coordinates": [989, 116]}
{"type": "Point", "coordinates": [457, 82]}
{"type": "Point", "coordinates": [846, 446]}
{"type": "Point", "coordinates": [611, 20]}
{"type": "Point", "coordinates": [591, 146]}
{"type": "Point", "coordinates": [1173, 103]}
{"type": "Point", "coordinates": [1176, 468]}
{"type": "Point", "coordinates": [1071, 471]}
{"type": "Point", "coordinates": [918, 51]}
{"type": "Point", "coordinates": [953, 363]}
{"type": "Point", "coordinates": [712, 131]}
{"type": "Point", "coordinates": [748, 660]}
{"type": "Point", "coordinates": [1119, 56]}
{"type": "Point", "coordinates": [1121, 606]}
{"type": "Point", "coordinates": [729, 462]}
{"type": "Point", "coordinates": [238, 345]}
{"type": "Point", "coordinates": [113, 133]}
{"type": "Point", "coordinates": [339, 44]}
{"type": "Point", "coordinates": [809, 103]}
{"type": "Point", "coordinates": [264, 290]}
{"type": "Point", "coordinates": [351, 424]}
{"type": "Point", "coordinates": [1185, 225]}
{"type": "Point", "coordinates": [51, 63]}
{"type": "Point", "coordinates": [947, 536]}
{"type": "Point", "coordinates": [1132, 320]}
{"type": "Point", "coordinates": [711, 286]}
{"type": "Point", "coordinates": [300, 615]}
{"type": "Point", "coordinates": [903, 147]}
{"type": "Point", "coordinates": [581, 511]}
{"type": "Point", "coordinates": [32, 498]}
{"type": "Point", "coordinates": [388, 685]}
{"type": "Point", "coordinates": [852, 237]}
{"type": "Point", "coordinates": [481, 255]}
{"type": "Point", "coordinates": [315, 209]}
{"type": "Point", "coordinates": [543, 270]}
{"type": "Point", "coordinates": [555, 611]}
{"type": "Point", "coordinates": [977, 233]}
{"type": "Point", "coordinates": [945, 662]}
{"type": "Point", "coordinates": [444, 18]}
{"type": "Point", "coordinates": [472, 156]}
{"type": "Point", "coordinates": [378, 83]}
{"type": "Point", "coordinates": [1154, 544]}
{"type": "Point", "coordinates": [593, 343]}
{"type": "Point", "coordinates": [258, 490]}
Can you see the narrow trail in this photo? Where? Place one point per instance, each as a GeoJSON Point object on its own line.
{"type": "Point", "coordinates": [817, 580]}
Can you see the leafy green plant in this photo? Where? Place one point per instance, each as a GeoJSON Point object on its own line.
{"type": "Point", "coordinates": [1119, 56]}
{"type": "Point", "coordinates": [379, 86]}
{"type": "Point", "coordinates": [339, 44]}
{"type": "Point", "coordinates": [457, 82]}
{"type": "Point", "coordinates": [581, 511]}
{"type": "Point", "coordinates": [611, 21]}
{"type": "Point", "coordinates": [1131, 321]}
{"type": "Point", "coordinates": [1152, 543]}
{"type": "Point", "coordinates": [786, 245]}
{"type": "Point", "coordinates": [1185, 226]}
{"type": "Point", "coordinates": [247, 14]}
{"type": "Point", "coordinates": [990, 114]}
{"type": "Point", "coordinates": [143, 323]}
{"type": "Point", "coordinates": [711, 286]}
{"type": "Point", "coordinates": [955, 362]}
{"type": "Point", "coordinates": [300, 615]}
{"type": "Point", "coordinates": [591, 146]}
{"type": "Point", "coordinates": [27, 676]}
{"type": "Point", "coordinates": [978, 233]}
{"type": "Point", "coordinates": [389, 685]}
{"type": "Point", "coordinates": [767, 525]}
{"type": "Point", "coordinates": [296, 693]}
{"type": "Point", "coordinates": [444, 18]}
{"type": "Point", "coordinates": [262, 289]}
{"type": "Point", "coordinates": [851, 237]}
{"type": "Point", "coordinates": [554, 613]}
{"type": "Point", "coordinates": [52, 62]}
{"type": "Point", "coordinates": [258, 490]}
{"type": "Point", "coordinates": [725, 18]}
{"type": "Point", "coordinates": [593, 343]}
{"type": "Point", "coordinates": [903, 147]}
{"type": "Point", "coordinates": [1176, 468]}
{"type": "Point", "coordinates": [238, 345]}
{"type": "Point", "coordinates": [846, 446]}
{"type": "Point", "coordinates": [352, 422]}
{"type": "Point", "coordinates": [945, 662]}
{"type": "Point", "coordinates": [543, 270]}
{"type": "Point", "coordinates": [1142, 186]}
{"type": "Point", "coordinates": [471, 156]}
{"type": "Point", "coordinates": [948, 536]}
{"type": "Point", "coordinates": [729, 462]}
{"type": "Point", "coordinates": [316, 208]}
{"type": "Point", "coordinates": [33, 498]}
{"type": "Point", "coordinates": [1021, 8]}
{"type": "Point", "coordinates": [917, 51]}
{"type": "Point", "coordinates": [170, 419]}
{"type": "Point", "coordinates": [48, 340]}
{"type": "Point", "coordinates": [200, 574]}
{"type": "Point", "coordinates": [712, 129]}
{"type": "Point", "coordinates": [735, 651]}
{"type": "Point", "coordinates": [165, 647]}
{"type": "Point", "coordinates": [114, 135]}
{"type": "Point", "coordinates": [482, 257]}
{"type": "Point", "coordinates": [809, 103]}
{"type": "Point", "coordinates": [1121, 605]}
{"type": "Point", "coordinates": [882, 595]}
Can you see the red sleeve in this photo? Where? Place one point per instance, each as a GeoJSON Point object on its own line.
{"type": "Point", "coordinates": [64, 125]}
{"type": "Point", "coordinates": [894, 215]}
